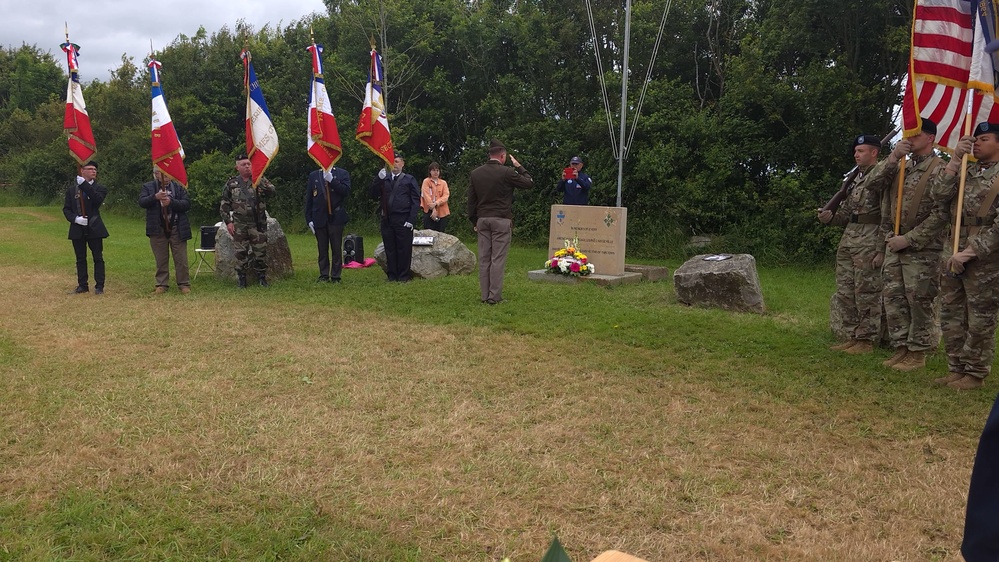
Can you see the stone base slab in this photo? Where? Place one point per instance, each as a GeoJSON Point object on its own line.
{"type": "Point", "coordinates": [649, 272]}
{"type": "Point", "coordinates": [602, 280]}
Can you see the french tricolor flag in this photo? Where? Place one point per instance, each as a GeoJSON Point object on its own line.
{"type": "Point", "coordinates": [261, 138]}
{"type": "Point", "coordinates": [323, 142]}
{"type": "Point", "coordinates": [76, 122]}
{"type": "Point", "coordinates": [373, 127]}
{"type": "Point", "coordinates": [168, 154]}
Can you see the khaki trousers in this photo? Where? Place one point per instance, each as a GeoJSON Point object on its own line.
{"type": "Point", "coordinates": [162, 248]}
{"type": "Point", "coordinates": [494, 243]}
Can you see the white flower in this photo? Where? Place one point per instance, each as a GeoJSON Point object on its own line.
{"type": "Point", "coordinates": [563, 266]}
{"type": "Point", "coordinates": [592, 269]}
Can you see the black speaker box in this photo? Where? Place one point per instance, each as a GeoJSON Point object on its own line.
{"type": "Point", "coordinates": [208, 237]}
{"type": "Point", "coordinates": [353, 248]}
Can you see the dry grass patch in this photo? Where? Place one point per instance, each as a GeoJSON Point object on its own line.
{"type": "Point", "coordinates": [465, 443]}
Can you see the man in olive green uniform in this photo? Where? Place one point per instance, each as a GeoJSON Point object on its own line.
{"type": "Point", "coordinates": [861, 250]}
{"type": "Point", "coordinates": [911, 271]}
{"type": "Point", "coordinates": [970, 284]}
{"type": "Point", "coordinates": [244, 211]}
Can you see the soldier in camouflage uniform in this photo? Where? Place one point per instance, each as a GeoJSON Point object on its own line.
{"type": "Point", "coordinates": [244, 211]}
{"type": "Point", "coordinates": [911, 272]}
{"type": "Point", "coordinates": [970, 284]}
{"type": "Point", "coordinates": [861, 250]}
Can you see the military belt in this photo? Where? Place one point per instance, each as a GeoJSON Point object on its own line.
{"type": "Point", "coordinates": [973, 221]}
{"type": "Point", "coordinates": [865, 219]}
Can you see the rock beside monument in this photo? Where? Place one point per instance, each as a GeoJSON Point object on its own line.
{"type": "Point", "coordinates": [278, 253]}
{"type": "Point", "coordinates": [731, 284]}
{"type": "Point", "coordinates": [447, 256]}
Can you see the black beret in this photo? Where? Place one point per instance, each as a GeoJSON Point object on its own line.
{"type": "Point", "coordinates": [91, 163]}
{"type": "Point", "coordinates": [872, 140]}
{"type": "Point", "coordinates": [986, 127]}
{"type": "Point", "coordinates": [242, 156]}
{"type": "Point", "coordinates": [929, 127]}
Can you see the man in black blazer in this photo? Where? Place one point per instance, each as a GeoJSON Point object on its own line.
{"type": "Point", "coordinates": [326, 214]}
{"type": "Point", "coordinates": [82, 209]}
{"type": "Point", "coordinates": [168, 228]}
{"type": "Point", "coordinates": [399, 197]}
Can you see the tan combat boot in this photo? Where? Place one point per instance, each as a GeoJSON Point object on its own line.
{"type": "Point", "coordinates": [967, 383]}
{"type": "Point", "coordinates": [899, 355]}
{"type": "Point", "coordinates": [844, 346]}
{"type": "Point", "coordinates": [951, 377]}
{"type": "Point", "coordinates": [912, 361]}
{"type": "Point", "coordinates": [860, 347]}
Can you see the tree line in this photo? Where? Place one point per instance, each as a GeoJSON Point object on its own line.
{"type": "Point", "coordinates": [745, 128]}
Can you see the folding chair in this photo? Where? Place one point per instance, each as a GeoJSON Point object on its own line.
{"type": "Point", "coordinates": [205, 247]}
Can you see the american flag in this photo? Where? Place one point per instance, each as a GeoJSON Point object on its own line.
{"type": "Point", "coordinates": [952, 57]}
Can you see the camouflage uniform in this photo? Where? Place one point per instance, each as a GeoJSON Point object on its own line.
{"type": "Point", "coordinates": [248, 208]}
{"type": "Point", "coordinates": [970, 301]}
{"type": "Point", "coordinates": [911, 278]}
{"type": "Point", "coordinates": [858, 285]}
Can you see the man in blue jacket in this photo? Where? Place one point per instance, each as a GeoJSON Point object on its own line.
{"type": "Point", "coordinates": [399, 199]}
{"type": "Point", "coordinates": [168, 228]}
{"type": "Point", "coordinates": [575, 184]}
{"type": "Point", "coordinates": [326, 214]}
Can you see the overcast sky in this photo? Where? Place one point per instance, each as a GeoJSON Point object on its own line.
{"type": "Point", "coordinates": [106, 29]}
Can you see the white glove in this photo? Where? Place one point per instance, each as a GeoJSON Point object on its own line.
{"type": "Point", "coordinates": [328, 176]}
{"type": "Point", "coordinates": [312, 227]}
{"type": "Point", "coordinates": [82, 221]}
{"type": "Point", "coordinates": [79, 180]}
{"type": "Point", "coordinates": [408, 225]}
{"type": "Point", "coordinates": [382, 173]}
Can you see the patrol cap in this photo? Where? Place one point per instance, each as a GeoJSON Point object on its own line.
{"type": "Point", "coordinates": [929, 127]}
{"type": "Point", "coordinates": [986, 127]}
{"type": "Point", "coordinates": [872, 140]}
{"type": "Point", "coordinates": [576, 160]}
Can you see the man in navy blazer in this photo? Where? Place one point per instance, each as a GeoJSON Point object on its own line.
{"type": "Point", "coordinates": [326, 214]}
{"type": "Point", "coordinates": [82, 209]}
{"type": "Point", "coordinates": [399, 199]}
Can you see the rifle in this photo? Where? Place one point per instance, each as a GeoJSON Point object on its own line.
{"type": "Point", "coordinates": [848, 178]}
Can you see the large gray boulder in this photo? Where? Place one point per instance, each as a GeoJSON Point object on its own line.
{"type": "Point", "coordinates": [731, 284]}
{"type": "Point", "coordinates": [447, 256]}
{"type": "Point", "coordinates": [278, 253]}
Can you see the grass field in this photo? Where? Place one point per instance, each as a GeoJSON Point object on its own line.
{"type": "Point", "coordinates": [375, 421]}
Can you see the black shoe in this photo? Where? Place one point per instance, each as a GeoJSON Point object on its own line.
{"type": "Point", "coordinates": [334, 280]}
{"type": "Point", "coordinates": [323, 279]}
{"type": "Point", "coordinates": [263, 281]}
{"type": "Point", "coordinates": [98, 290]}
{"type": "Point", "coordinates": [79, 289]}
{"type": "Point", "coordinates": [241, 279]}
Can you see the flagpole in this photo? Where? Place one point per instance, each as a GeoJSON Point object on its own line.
{"type": "Point", "coordinates": [964, 177]}
{"type": "Point", "coordinates": [624, 98]}
{"type": "Point", "coordinates": [898, 198]}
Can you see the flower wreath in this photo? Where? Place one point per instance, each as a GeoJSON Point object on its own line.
{"type": "Point", "coordinates": [570, 261]}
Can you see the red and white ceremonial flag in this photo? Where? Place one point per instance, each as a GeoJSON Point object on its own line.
{"type": "Point", "coordinates": [261, 138]}
{"type": "Point", "coordinates": [373, 127]}
{"type": "Point", "coordinates": [952, 58]}
{"type": "Point", "coordinates": [76, 122]}
{"type": "Point", "coordinates": [323, 142]}
{"type": "Point", "coordinates": [168, 154]}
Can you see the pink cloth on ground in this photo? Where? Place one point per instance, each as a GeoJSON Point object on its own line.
{"type": "Point", "coordinates": [368, 262]}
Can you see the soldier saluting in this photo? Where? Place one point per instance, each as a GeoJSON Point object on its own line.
{"type": "Point", "coordinates": [244, 211]}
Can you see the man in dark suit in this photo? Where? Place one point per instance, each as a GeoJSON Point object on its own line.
{"type": "Point", "coordinates": [490, 208]}
{"type": "Point", "coordinates": [326, 214]}
{"type": "Point", "coordinates": [168, 228]}
{"type": "Point", "coordinates": [82, 209]}
{"type": "Point", "coordinates": [399, 197]}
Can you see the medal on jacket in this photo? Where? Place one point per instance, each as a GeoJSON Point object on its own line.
{"type": "Point", "coordinates": [315, 192]}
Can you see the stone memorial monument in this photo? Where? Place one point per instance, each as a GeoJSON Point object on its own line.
{"type": "Point", "coordinates": [727, 281]}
